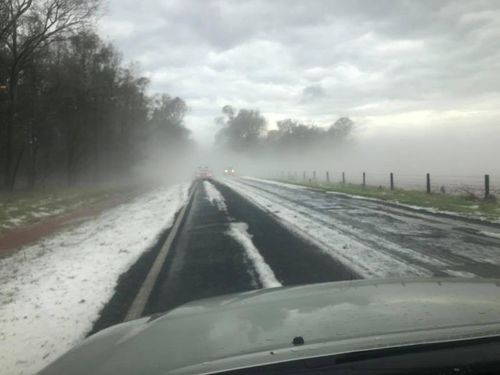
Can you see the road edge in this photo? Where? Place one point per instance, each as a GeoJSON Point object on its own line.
{"type": "Point", "coordinates": [139, 303]}
{"type": "Point", "coordinates": [422, 210]}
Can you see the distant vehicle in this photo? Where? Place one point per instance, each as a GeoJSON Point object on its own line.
{"type": "Point", "coordinates": [229, 171]}
{"type": "Point", "coordinates": [427, 326]}
{"type": "Point", "coordinates": [203, 173]}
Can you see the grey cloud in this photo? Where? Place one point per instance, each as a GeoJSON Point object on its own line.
{"type": "Point", "coordinates": [285, 56]}
{"type": "Point", "coordinates": [312, 92]}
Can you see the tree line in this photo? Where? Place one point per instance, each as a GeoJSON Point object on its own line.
{"type": "Point", "coordinates": [70, 110]}
{"type": "Point", "coordinates": [246, 130]}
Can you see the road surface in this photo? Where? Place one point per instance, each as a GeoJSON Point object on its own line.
{"type": "Point", "coordinates": [229, 245]}
{"type": "Point", "coordinates": [241, 234]}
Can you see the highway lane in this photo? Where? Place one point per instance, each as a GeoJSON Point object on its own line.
{"type": "Point", "coordinates": [378, 240]}
{"type": "Point", "coordinates": [229, 245]}
{"type": "Point", "coordinates": [242, 234]}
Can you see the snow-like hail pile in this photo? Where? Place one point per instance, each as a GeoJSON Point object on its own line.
{"type": "Point", "coordinates": [239, 232]}
{"type": "Point", "coordinates": [330, 235]}
{"type": "Point", "coordinates": [375, 240]}
{"type": "Point", "coordinates": [214, 196]}
{"type": "Point", "coordinates": [51, 292]}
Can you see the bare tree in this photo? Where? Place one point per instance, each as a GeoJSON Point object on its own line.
{"type": "Point", "coordinates": [29, 26]}
{"type": "Point", "coordinates": [69, 111]}
{"type": "Point", "coordinates": [10, 12]}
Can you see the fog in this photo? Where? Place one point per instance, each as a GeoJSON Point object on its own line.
{"type": "Point", "coordinates": [456, 155]}
{"type": "Point", "coordinates": [135, 94]}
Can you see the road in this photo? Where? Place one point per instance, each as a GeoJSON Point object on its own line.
{"type": "Point", "coordinates": [241, 234]}
{"type": "Point", "coordinates": [378, 240]}
{"type": "Point", "coordinates": [215, 252]}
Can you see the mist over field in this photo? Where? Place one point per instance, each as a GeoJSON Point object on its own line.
{"type": "Point", "coordinates": [456, 155]}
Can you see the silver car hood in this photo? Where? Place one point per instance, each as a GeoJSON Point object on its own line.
{"type": "Point", "coordinates": [255, 328]}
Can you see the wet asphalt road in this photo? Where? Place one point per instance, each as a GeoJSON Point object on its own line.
{"type": "Point", "coordinates": [302, 236]}
{"type": "Point", "coordinates": [205, 261]}
{"type": "Point", "coordinates": [380, 240]}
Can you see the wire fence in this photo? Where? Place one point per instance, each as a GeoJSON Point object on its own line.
{"type": "Point", "coordinates": [478, 185]}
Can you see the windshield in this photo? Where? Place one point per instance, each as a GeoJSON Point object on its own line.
{"type": "Point", "coordinates": [156, 153]}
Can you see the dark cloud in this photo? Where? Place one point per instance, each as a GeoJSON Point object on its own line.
{"type": "Point", "coordinates": [378, 61]}
{"type": "Point", "coordinates": [312, 92]}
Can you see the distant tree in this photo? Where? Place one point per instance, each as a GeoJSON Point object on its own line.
{"type": "Point", "coordinates": [228, 111]}
{"type": "Point", "coordinates": [167, 119]}
{"type": "Point", "coordinates": [287, 126]}
{"type": "Point", "coordinates": [243, 131]}
{"type": "Point", "coordinates": [297, 135]}
{"type": "Point", "coordinates": [292, 135]}
{"type": "Point", "coordinates": [341, 128]}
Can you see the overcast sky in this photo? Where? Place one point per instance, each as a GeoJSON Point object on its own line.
{"type": "Point", "coordinates": [389, 65]}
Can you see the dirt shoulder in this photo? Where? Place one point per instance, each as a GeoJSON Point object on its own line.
{"type": "Point", "coordinates": [14, 238]}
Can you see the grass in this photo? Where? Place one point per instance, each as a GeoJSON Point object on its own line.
{"type": "Point", "coordinates": [460, 204]}
{"type": "Point", "coordinates": [24, 208]}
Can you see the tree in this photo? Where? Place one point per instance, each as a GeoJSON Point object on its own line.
{"type": "Point", "coordinates": [228, 111]}
{"type": "Point", "coordinates": [69, 110]}
{"type": "Point", "coordinates": [10, 12]}
{"type": "Point", "coordinates": [167, 117]}
{"type": "Point", "coordinates": [243, 131]}
{"type": "Point", "coordinates": [29, 26]}
{"type": "Point", "coordinates": [341, 128]}
{"type": "Point", "coordinates": [294, 134]}
{"type": "Point", "coordinates": [81, 116]}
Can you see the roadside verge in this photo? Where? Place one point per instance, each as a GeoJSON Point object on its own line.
{"type": "Point", "coordinates": [470, 218]}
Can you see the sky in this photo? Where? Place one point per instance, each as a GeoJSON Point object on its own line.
{"type": "Point", "coordinates": [393, 67]}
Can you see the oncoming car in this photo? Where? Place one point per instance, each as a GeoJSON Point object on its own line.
{"type": "Point", "coordinates": [419, 326]}
{"type": "Point", "coordinates": [229, 171]}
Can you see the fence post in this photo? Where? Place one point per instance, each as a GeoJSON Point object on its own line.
{"type": "Point", "coordinates": [343, 178]}
{"type": "Point", "coordinates": [328, 177]}
{"type": "Point", "coordinates": [428, 176]}
{"type": "Point", "coordinates": [364, 179]}
{"type": "Point", "coordinates": [392, 181]}
{"type": "Point", "coordinates": [486, 186]}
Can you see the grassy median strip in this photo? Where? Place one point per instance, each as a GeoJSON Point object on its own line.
{"type": "Point", "coordinates": [460, 204]}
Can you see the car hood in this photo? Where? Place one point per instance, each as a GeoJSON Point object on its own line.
{"type": "Point", "coordinates": [256, 328]}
